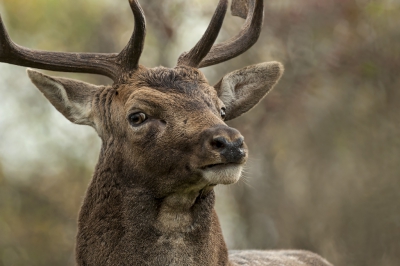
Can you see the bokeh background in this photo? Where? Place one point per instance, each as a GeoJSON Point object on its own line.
{"type": "Point", "coordinates": [324, 168]}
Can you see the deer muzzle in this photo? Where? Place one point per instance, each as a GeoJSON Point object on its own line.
{"type": "Point", "coordinates": [224, 153]}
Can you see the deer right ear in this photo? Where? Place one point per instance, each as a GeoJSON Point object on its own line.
{"type": "Point", "coordinates": [70, 97]}
{"type": "Point", "coordinates": [242, 89]}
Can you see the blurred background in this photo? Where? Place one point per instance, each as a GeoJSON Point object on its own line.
{"type": "Point", "coordinates": [324, 168]}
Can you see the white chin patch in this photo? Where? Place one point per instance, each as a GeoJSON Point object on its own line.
{"type": "Point", "coordinates": [223, 174]}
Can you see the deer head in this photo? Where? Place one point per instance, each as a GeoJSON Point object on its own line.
{"type": "Point", "coordinates": [165, 144]}
{"type": "Point", "coordinates": [163, 122]}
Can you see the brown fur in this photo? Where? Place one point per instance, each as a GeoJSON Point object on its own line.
{"type": "Point", "coordinates": [150, 201]}
{"type": "Point", "coordinates": [145, 207]}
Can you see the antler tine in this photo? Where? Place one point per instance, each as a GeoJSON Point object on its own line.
{"type": "Point", "coordinates": [4, 40]}
{"type": "Point", "coordinates": [202, 48]}
{"type": "Point", "coordinates": [130, 55]}
{"type": "Point", "coordinates": [111, 65]}
{"type": "Point", "coordinates": [94, 63]}
{"type": "Point", "coordinates": [240, 43]}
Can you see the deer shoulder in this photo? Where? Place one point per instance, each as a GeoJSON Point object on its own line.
{"type": "Point", "coordinates": [276, 258]}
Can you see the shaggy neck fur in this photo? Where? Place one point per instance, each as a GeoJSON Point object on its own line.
{"type": "Point", "coordinates": [123, 223]}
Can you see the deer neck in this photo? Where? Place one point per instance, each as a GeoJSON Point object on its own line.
{"type": "Point", "coordinates": [123, 223]}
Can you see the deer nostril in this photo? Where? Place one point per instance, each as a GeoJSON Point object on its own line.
{"type": "Point", "coordinates": [231, 151]}
{"type": "Point", "coordinates": [219, 142]}
{"type": "Point", "coordinates": [239, 142]}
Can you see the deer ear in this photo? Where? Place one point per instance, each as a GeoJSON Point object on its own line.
{"type": "Point", "coordinates": [70, 97]}
{"type": "Point", "coordinates": [242, 89]}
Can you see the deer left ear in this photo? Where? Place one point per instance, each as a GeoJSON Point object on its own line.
{"type": "Point", "coordinates": [70, 97]}
{"type": "Point", "coordinates": [242, 89]}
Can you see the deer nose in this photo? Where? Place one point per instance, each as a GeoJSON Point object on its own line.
{"type": "Point", "coordinates": [228, 142]}
{"type": "Point", "coordinates": [232, 151]}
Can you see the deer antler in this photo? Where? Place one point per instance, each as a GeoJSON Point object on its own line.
{"type": "Point", "coordinates": [237, 45]}
{"type": "Point", "coordinates": [130, 56]}
{"type": "Point", "coordinates": [203, 47]}
{"type": "Point", "coordinates": [111, 65]}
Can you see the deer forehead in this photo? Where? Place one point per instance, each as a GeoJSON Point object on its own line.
{"type": "Point", "coordinates": [163, 103]}
{"type": "Point", "coordinates": [164, 90]}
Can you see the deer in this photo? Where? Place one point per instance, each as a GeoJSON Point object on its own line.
{"type": "Point", "coordinates": [165, 144]}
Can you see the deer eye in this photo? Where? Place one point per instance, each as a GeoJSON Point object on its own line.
{"type": "Point", "coordinates": [137, 118]}
{"type": "Point", "coordinates": [223, 112]}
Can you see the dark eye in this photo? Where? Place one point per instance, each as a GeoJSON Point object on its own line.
{"type": "Point", "coordinates": [137, 118]}
{"type": "Point", "coordinates": [223, 112]}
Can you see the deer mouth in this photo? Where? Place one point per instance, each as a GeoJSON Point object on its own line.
{"type": "Point", "coordinates": [212, 165]}
{"type": "Point", "coordinates": [222, 173]}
